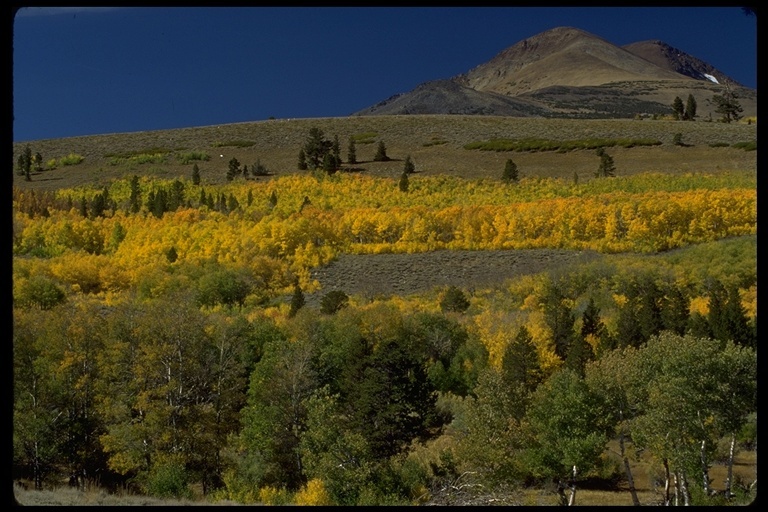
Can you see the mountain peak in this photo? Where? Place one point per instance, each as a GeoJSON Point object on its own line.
{"type": "Point", "coordinates": [562, 56]}
{"type": "Point", "coordinates": [566, 71]}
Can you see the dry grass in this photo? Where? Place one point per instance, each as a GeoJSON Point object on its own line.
{"type": "Point", "coordinates": [67, 496]}
{"type": "Point", "coordinates": [276, 144]}
{"type": "Point", "coordinates": [745, 468]}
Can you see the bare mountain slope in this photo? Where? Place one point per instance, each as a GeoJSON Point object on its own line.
{"type": "Point", "coordinates": [668, 57]}
{"type": "Point", "coordinates": [561, 56]}
{"type": "Point", "coordinates": [450, 97]}
{"type": "Point", "coordinates": [567, 72]}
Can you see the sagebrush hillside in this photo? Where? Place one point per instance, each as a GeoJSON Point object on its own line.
{"type": "Point", "coordinates": [436, 144]}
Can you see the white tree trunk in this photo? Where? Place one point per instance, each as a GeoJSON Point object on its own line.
{"type": "Point", "coordinates": [684, 489]}
{"type": "Point", "coordinates": [677, 489]}
{"type": "Point", "coordinates": [572, 499]}
{"type": "Point", "coordinates": [704, 468]}
{"type": "Point", "coordinates": [729, 479]}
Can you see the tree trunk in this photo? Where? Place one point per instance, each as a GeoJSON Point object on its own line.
{"type": "Point", "coordinates": [666, 483]}
{"type": "Point", "coordinates": [677, 489]}
{"type": "Point", "coordinates": [684, 489]}
{"type": "Point", "coordinates": [628, 470]}
{"type": "Point", "coordinates": [572, 499]}
{"type": "Point", "coordinates": [561, 493]}
{"type": "Point", "coordinates": [704, 468]}
{"type": "Point", "coordinates": [37, 472]}
{"type": "Point", "coordinates": [729, 479]}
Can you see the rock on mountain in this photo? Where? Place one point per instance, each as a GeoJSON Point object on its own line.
{"type": "Point", "coordinates": [567, 72]}
{"type": "Point", "coordinates": [668, 57]}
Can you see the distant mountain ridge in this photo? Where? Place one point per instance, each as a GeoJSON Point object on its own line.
{"type": "Point", "coordinates": [568, 72]}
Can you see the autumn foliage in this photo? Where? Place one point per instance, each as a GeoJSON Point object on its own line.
{"type": "Point", "coordinates": [155, 316]}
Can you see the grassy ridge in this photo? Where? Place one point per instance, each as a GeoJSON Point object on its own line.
{"type": "Point", "coordinates": [276, 143]}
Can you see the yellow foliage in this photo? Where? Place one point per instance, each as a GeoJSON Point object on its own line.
{"type": "Point", "coordinates": [314, 493]}
{"type": "Point", "coordinates": [80, 271]}
{"type": "Point", "coordinates": [749, 301]}
{"type": "Point", "coordinates": [593, 342]}
{"type": "Point", "coordinates": [699, 305]}
{"type": "Point", "coordinates": [496, 330]}
{"type": "Point", "coordinates": [273, 496]}
{"type": "Point", "coordinates": [368, 215]}
{"type": "Point", "coordinates": [542, 338]}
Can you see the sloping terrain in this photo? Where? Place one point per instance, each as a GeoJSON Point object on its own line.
{"type": "Point", "coordinates": [567, 72]}
{"type": "Point", "coordinates": [561, 56]}
{"type": "Point", "coordinates": [673, 59]}
{"type": "Point", "coordinates": [383, 275]}
{"type": "Point", "coordinates": [434, 142]}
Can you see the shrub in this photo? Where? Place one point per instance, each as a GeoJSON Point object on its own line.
{"type": "Point", "coordinates": [534, 144]}
{"type": "Point", "coordinates": [238, 143]}
{"type": "Point", "coordinates": [746, 146]}
{"type": "Point", "coordinates": [274, 496]}
{"type": "Point", "coordinates": [333, 301]}
{"type": "Point", "coordinates": [148, 158]}
{"type": "Point", "coordinates": [39, 291]}
{"type": "Point", "coordinates": [71, 159]}
{"type": "Point", "coordinates": [435, 142]}
{"type": "Point", "coordinates": [365, 138]}
{"type": "Point", "coordinates": [454, 300]}
{"type": "Point", "coordinates": [168, 480]}
{"type": "Point", "coordinates": [314, 493]}
{"type": "Point", "coordinates": [185, 158]}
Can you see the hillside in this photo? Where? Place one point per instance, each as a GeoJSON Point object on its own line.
{"type": "Point", "coordinates": [435, 144]}
{"type": "Point", "coordinates": [568, 72]}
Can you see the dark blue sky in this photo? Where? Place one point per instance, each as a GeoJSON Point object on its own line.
{"type": "Point", "coordinates": [108, 70]}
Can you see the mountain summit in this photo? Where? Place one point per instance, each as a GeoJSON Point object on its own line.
{"type": "Point", "coordinates": [568, 72]}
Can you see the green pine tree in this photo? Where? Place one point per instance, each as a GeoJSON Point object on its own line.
{"type": "Point", "coordinates": [403, 183]}
{"type": "Point", "coordinates": [195, 174]}
{"type": "Point", "coordinates": [297, 300]}
{"type": "Point", "coordinates": [520, 363]}
{"type": "Point", "coordinates": [234, 169]}
{"type": "Point", "coordinates": [690, 108]}
{"type": "Point", "coordinates": [84, 207]}
{"type": "Point", "coordinates": [315, 148]}
{"type": "Point", "coordinates": [135, 197]}
{"type": "Point", "coordinates": [381, 153]}
{"type": "Point", "coordinates": [408, 167]}
{"type": "Point", "coordinates": [336, 151]}
{"type": "Point", "coordinates": [329, 164]}
{"type": "Point", "coordinates": [678, 110]}
{"type": "Point", "coordinates": [352, 151]}
{"type": "Point", "coordinates": [511, 174]}
{"type": "Point", "coordinates": [27, 162]}
{"type": "Point", "coordinates": [606, 169]}
{"type": "Point", "coordinates": [302, 160]}
{"type": "Point", "coordinates": [454, 300]}
{"type": "Point", "coordinates": [728, 106]}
